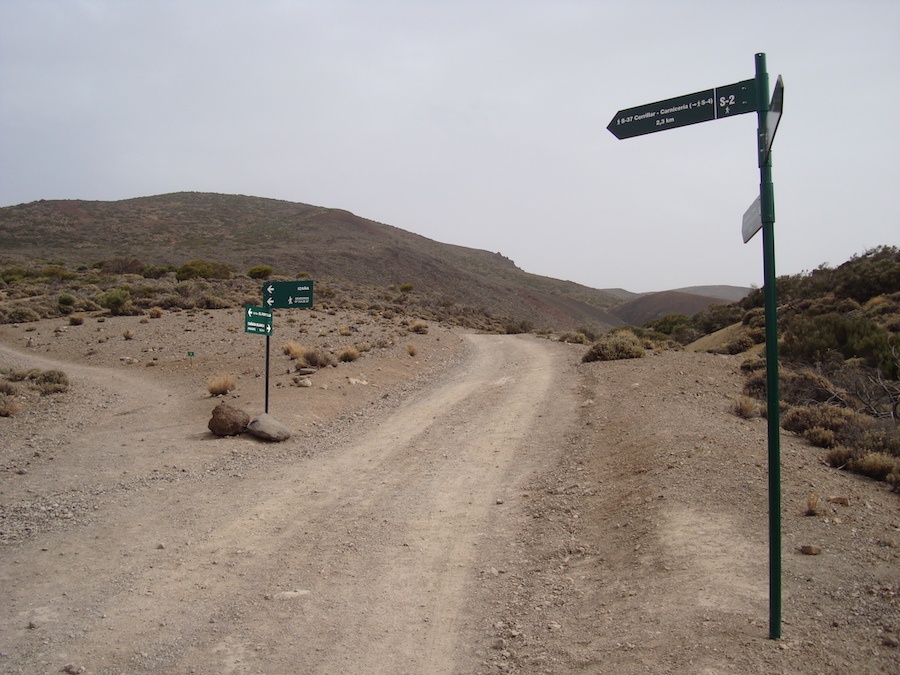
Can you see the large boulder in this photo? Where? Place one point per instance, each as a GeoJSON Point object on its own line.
{"type": "Point", "coordinates": [228, 421]}
{"type": "Point", "coordinates": [268, 428]}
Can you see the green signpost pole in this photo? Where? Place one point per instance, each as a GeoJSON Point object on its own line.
{"type": "Point", "coordinates": [767, 211]}
{"type": "Point", "coordinates": [268, 344]}
{"type": "Point", "coordinates": [713, 104]}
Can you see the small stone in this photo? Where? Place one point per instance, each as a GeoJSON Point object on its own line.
{"type": "Point", "coordinates": [160, 547]}
{"type": "Point", "coordinates": [73, 669]}
{"type": "Point", "coordinates": [889, 641]}
{"type": "Point", "coordinates": [810, 550]}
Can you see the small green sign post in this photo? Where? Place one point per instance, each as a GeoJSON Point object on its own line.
{"type": "Point", "coordinates": [703, 106]}
{"type": "Point", "coordinates": [257, 320]}
{"type": "Point", "coordinates": [276, 295]}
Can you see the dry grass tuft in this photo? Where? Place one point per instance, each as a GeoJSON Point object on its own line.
{"type": "Point", "coordinates": [746, 407]}
{"type": "Point", "coordinates": [419, 327]}
{"type": "Point", "coordinates": [76, 319]}
{"type": "Point", "coordinates": [411, 349]}
{"type": "Point", "coordinates": [155, 312]}
{"type": "Point", "coordinates": [219, 385]}
{"type": "Point", "coordinates": [313, 358]}
{"type": "Point", "coordinates": [128, 334]}
{"type": "Point", "coordinates": [812, 504]}
{"type": "Point", "coordinates": [9, 405]}
{"type": "Point", "coordinates": [293, 350]}
{"type": "Point", "coordinates": [348, 354]}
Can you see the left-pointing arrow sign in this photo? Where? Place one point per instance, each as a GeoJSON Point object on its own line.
{"type": "Point", "coordinates": [258, 320]}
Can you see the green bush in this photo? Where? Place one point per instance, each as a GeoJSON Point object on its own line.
{"type": "Point", "coordinates": [66, 300]}
{"type": "Point", "coordinates": [810, 338]}
{"type": "Point", "coordinates": [668, 324]}
{"type": "Point", "coordinates": [116, 300]}
{"type": "Point", "coordinates": [260, 272]}
{"type": "Point", "coordinates": [739, 344]}
{"type": "Point", "coordinates": [614, 347]}
{"type": "Point", "coordinates": [203, 269]}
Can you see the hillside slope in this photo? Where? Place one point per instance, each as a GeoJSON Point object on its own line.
{"type": "Point", "coordinates": [294, 239]}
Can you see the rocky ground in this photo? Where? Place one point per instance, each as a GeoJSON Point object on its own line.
{"type": "Point", "coordinates": [448, 503]}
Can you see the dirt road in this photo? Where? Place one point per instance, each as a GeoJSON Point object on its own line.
{"type": "Point", "coordinates": [489, 505]}
{"type": "Point", "coordinates": [363, 557]}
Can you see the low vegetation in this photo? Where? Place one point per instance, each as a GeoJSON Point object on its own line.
{"type": "Point", "coordinates": [221, 384]}
{"type": "Point", "coordinates": [614, 346]}
{"type": "Point", "coordinates": [18, 388]}
{"type": "Point", "coordinates": [839, 331]}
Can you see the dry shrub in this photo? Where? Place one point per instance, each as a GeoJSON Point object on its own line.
{"type": "Point", "coordinates": [344, 330]}
{"type": "Point", "coordinates": [746, 407]}
{"type": "Point", "coordinates": [128, 334]}
{"type": "Point", "coordinates": [821, 438]}
{"type": "Point", "coordinates": [219, 385]}
{"type": "Point", "coordinates": [155, 312]}
{"type": "Point", "coordinates": [419, 327]}
{"type": "Point", "coordinates": [294, 350]}
{"type": "Point", "coordinates": [8, 388]}
{"type": "Point", "coordinates": [313, 358]}
{"type": "Point", "coordinates": [9, 405]}
{"type": "Point", "coordinates": [839, 456]}
{"type": "Point", "coordinates": [76, 319]}
{"type": "Point", "coordinates": [51, 382]}
{"type": "Point", "coordinates": [575, 338]}
{"type": "Point", "coordinates": [877, 465]}
{"type": "Point", "coordinates": [411, 349]}
{"type": "Point", "coordinates": [841, 421]}
{"type": "Point", "coordinates": [623, 345]}
{"type": "Point", "coordinates": [348, 354]}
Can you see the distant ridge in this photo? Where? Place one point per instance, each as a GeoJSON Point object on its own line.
{"type": "Point", "coordinates": [652, 306]}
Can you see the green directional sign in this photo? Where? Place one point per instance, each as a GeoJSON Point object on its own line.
{"type": "Point", "coordinates": [257, 320]}
{"type": "Point", "coordinates": [702, 106]}
{"type": "Point", "coordinates": [287, 294]}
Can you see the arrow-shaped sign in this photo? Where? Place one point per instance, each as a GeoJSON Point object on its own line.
{"type": "Point", "coordinates": [702, 106]}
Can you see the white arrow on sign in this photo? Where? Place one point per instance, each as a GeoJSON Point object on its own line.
{"type": "Point", "coordinates": [270, 289]}
{"type": "Point", "coordinates": [270, 302]}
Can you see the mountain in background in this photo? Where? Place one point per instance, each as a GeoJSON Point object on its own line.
{"type": "Point", "coordinates": [296, 239]}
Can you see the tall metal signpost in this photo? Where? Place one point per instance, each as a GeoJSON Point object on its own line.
{"type": "Point", "coordinates": [712, 104]}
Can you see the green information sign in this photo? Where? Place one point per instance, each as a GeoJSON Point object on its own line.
{"type": "Point", "coordinates": [257, 320]}
{"type": "Point", "coordinates": [287, 294]}
{"type": "Point", "coordinates": [702, 106]}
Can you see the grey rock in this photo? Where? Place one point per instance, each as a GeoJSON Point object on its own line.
{"type": "Point", "coordinates": [268, 428]}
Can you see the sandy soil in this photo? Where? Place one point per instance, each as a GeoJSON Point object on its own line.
{"type": "Point", "coordinates": [487, 505]}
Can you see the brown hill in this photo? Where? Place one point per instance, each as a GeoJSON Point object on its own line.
{"type": "Point", "coordinates": [645, 308]}
{"type": "Point", "coordinates": [294, 239]}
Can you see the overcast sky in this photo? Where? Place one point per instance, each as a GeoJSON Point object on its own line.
{"type": "Point", "coordinates": [478, 123]}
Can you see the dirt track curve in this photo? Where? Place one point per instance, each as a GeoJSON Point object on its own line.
{"type": "Point", "coordinates": [363, 557]}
